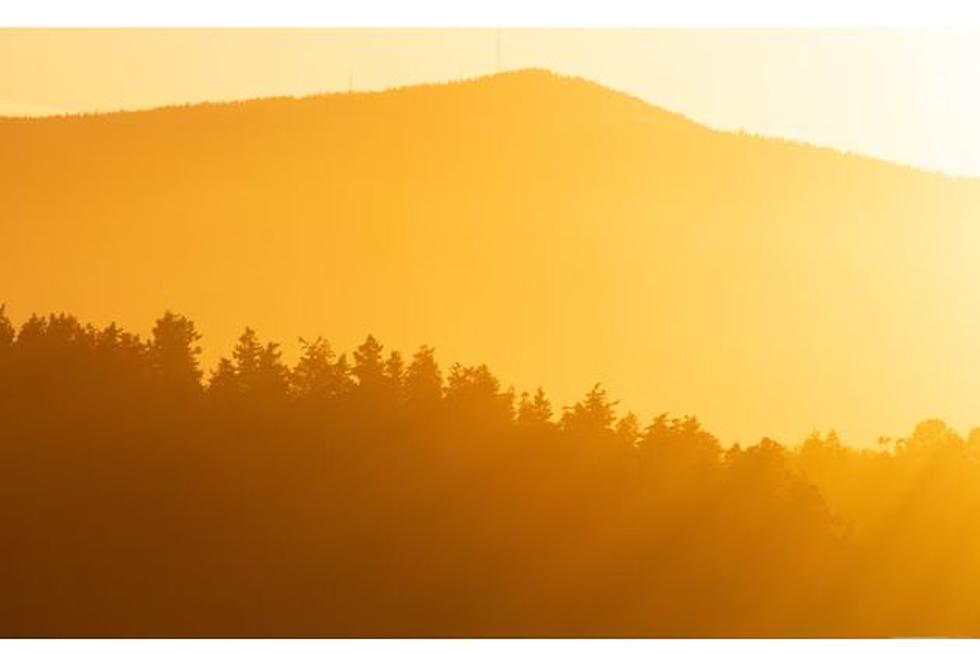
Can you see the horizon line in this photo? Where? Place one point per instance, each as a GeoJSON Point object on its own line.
{"type": "Point", "coordinates": [484, 77]}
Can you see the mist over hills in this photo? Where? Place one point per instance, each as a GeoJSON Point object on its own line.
{"type": "Point", "coordinates": [559, 231]}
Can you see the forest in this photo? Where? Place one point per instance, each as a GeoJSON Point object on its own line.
{"type": "Point", "coordinates": [374, 494]}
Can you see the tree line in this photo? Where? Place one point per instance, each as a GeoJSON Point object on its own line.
{"type": "Point", "coordinates": [372, 494]}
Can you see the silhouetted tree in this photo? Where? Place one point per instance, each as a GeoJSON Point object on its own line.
{"type": "Point", "coordinates": [7, 331]}
{"type": "Point", "coordinates": [628, 430]}
{"type": "Point", "coordinates": [534, 412]}
{"type": "Point", "coordinates": [172, 353]}
{"type": "Point", "coordinates": [291, 501]}
{"type": "Point", "coordinates": [394, 376]}
{"type": "Point", "coordinates": [423, 381]}
{"type": "Point", "coordinates": [224, 382]}
{"type": "Point", "coordinates": [594, 416]}
{"type": "Point", "coordinates": [473, 394]}
{"type": "Point", "coordinates": [369, 369]}
{"type": "Point", "coordinates": [259, 368]}
{"type": "Point", "coordinates": [318, 375]}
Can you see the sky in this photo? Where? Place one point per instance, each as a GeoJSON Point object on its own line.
{"type": "Point", "coordinates": [842, 302]}
{"type": "Point", "coordinates": [904, 96]}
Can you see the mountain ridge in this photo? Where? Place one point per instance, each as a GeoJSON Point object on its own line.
{"type": "Point", "coordinates": [544, 74]}
{"type": "Point", "coordinates": [560, 234]}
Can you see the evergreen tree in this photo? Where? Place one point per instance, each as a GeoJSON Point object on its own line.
{"type": "Point", "coordinates": [173, 351]}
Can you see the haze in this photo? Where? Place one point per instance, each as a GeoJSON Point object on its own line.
{"type": "Point", "coordinates": [906, 96]}
{"type": "Point", "coordinates": [557, 230]}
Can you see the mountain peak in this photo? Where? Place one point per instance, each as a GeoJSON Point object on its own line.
{"type": "Point", "coordinates": [668, 259]}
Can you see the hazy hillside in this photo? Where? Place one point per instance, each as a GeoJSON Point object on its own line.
{"type": "Point", "coordinates": [560, 231]}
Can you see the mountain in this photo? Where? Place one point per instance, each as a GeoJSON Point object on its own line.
{"type": "Point", "coordinates": [562, 232]}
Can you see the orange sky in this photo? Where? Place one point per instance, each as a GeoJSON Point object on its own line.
{"type": "Point", "coordinates": [803, 290]}
{"type": "Point", "coordinates": [907, 96]}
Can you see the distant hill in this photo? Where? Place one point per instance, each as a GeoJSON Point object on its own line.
{"type": "Point", "coordinates": [559, 231]}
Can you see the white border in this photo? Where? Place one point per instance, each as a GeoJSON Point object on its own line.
{"type": "Point", "coordinates": [501, 13]}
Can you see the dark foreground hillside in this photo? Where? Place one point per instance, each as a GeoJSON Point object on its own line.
{"type": "Point", "coordinates": [373, 495]}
